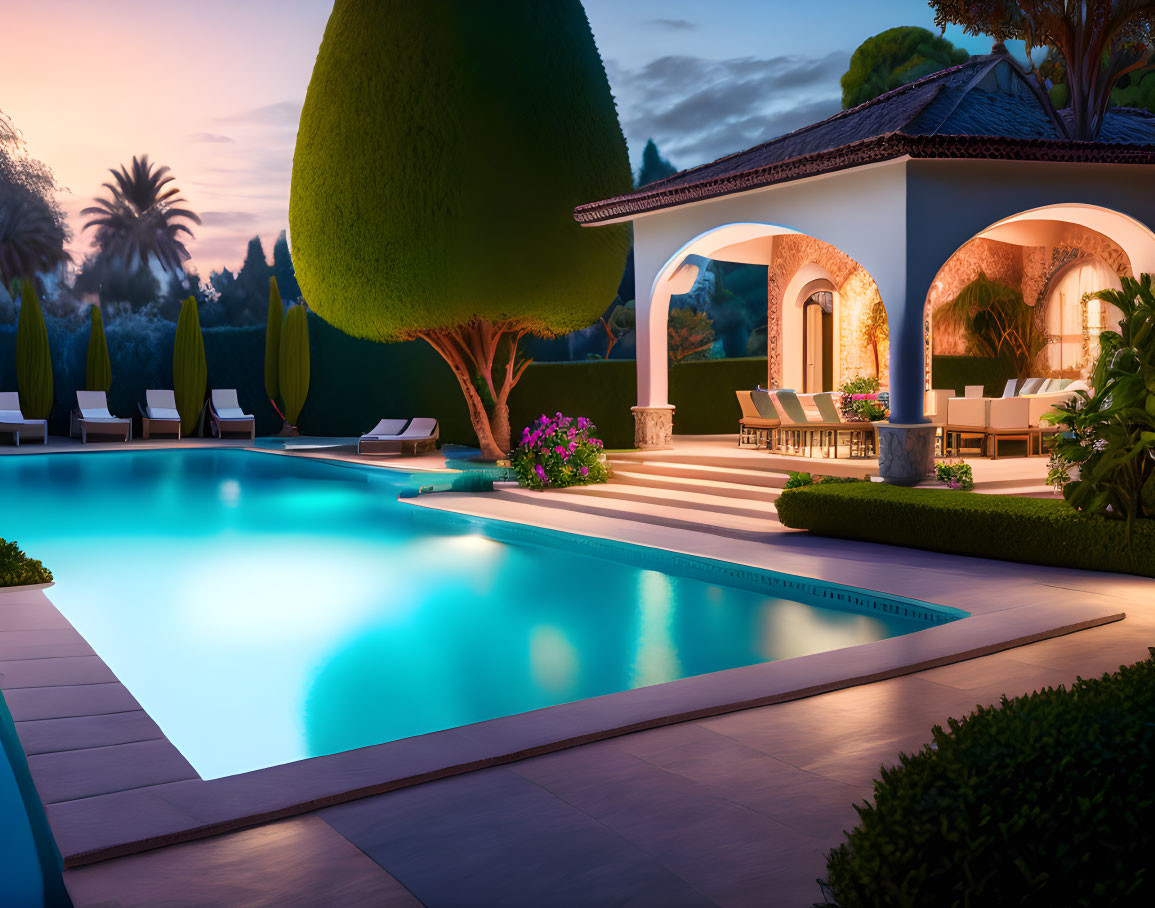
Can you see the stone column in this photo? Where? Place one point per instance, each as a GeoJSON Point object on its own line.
{"type": "Point", "coordinates": [905, 452]}
{"type": "Point", "coordinates": [653, 427]}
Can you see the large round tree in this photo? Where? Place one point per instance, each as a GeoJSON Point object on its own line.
{"type": "Point", "coordinates": [442, 148]}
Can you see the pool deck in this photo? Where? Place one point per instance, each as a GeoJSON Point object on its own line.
{"type": "Point", "coordinates": [730, 809]}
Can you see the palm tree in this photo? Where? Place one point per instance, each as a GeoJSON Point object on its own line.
{"type": "Point", "coordinates": [141, 219]}
{"type": "Point", "coordinates": [31, 239]}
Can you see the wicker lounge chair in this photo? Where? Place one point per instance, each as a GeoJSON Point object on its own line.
{"type": "Point", "coordinates": [12, 421]}
{"type": "Point", "coordinates": [91, 417]}
{"type": "Point", "coordinates": [159, 413]}
{"type": "Point", "coordinates": [754, 429]}
{"type": "Point", "coordinates": [226, 415]}
{"type": "Point", "coordinates": [419, 436]}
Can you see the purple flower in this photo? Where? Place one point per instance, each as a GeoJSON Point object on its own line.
{"type": "Point", "coordinates": [585, 471]}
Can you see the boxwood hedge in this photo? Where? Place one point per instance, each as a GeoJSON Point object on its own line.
{"type": "Point", "coordinates": [1044, 800]}
{"type": "Point", "coordinates": [17, 569]}
{"type": "Point", "coordinates": [1032, 530]}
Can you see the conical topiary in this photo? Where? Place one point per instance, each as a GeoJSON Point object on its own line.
{"type": "Point", "coordinates": [98, 370]}
{"type": "Point", "coordinates": [294, 362]}
{"type": "Point", "coordinates": [273, 342]}
{"type": "Point", "coordinates": [33, 357]}
{"type": "Point", "coordinates": [189, 370]}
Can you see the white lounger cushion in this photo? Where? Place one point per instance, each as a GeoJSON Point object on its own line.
{"type": "Point", "coordinates": [422, 427]}
{"type": "Point", "coordinates": [161, 405]}
{"type": "Point", "coordinates": [93, 407]}
{"type": "Point", "coordinates": [967, 411]}
{"type": "Point", "coordinates": [10, 401]}
{"type": "Point", "coordinates": [226, 405]}
{"type": "Point", "coordinates": [12, 416]}
{"type": "Point", "coordinates": [1008, 413]}
{"type": "Point", "coordinates": [386, 428]}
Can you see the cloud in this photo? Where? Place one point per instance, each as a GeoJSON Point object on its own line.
{"type": "Point", "coordinates": [682, 25]}
{"type": "Point", "coordinates": [226, 218]}
{"type": "Point", "coordinates": [283, 113]}
{"type": "Point", "coordinates": [697, 109]}
{"type": "Point", "coordinates": [211, 137]}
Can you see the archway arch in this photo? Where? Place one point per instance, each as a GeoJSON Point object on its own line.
{"type": "Point", "coordinates": [1034, 252]}
{"type": "Point", "coordinates": [794, 261]}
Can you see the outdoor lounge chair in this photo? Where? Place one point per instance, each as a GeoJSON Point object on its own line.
{"type": "Point", "coordinates": [754, 429]}
{"type": "Point", "coordinates": [91, 417]}
{"type": "Point", "coordinates": [1008, 418]}
{"type": "Point", "coordinates": [12, 421]}
{"type": "Point", "coordinates": [387, 437]}
{"type": "Point", "coordinates": [965, 417]}
{"type": "Point", "coordinates": [798, 429]}
{"type": "Point", "coordinates": [862, 438]}
{"type": "Point", "coordinates": [159, 414]}
{"type": "Point", "coordinates": [226, 415]}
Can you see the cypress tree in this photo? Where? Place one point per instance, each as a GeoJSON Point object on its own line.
{"type": "Point", "coordinates": [294, 362]}
{"type": "Point", "coordinates": [98, 368]}
{"type": "Point", "coordinates": [273, 342]}
{"type": "Point", "coordinates": [189, 370]}
{"type": "Point", "coordinates": [33, 357]}
{"type": "Point", "coordinates": [441, 151]}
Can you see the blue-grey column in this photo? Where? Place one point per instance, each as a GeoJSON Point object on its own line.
{"type": "Point", "coordinates": [907, 360]}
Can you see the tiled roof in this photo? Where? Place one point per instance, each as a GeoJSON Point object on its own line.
{"type": "Point", "coordinates": [984, 108]}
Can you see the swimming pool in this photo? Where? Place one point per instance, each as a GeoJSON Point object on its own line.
{"type": "Point", "coordinates": [265, 608]}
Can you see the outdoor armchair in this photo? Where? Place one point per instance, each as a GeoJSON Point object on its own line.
{"type": "Point", "coordinates": [388, 437]}
{"type": "Point", "coordinates": [861, 432]}
{"type": "Point", "coordinates": [91, 417]}
{"type": "Point", "coordinates": [226, 415]}
{"type": "Point", "coordinates": [159, 413]}
{"type": "Point", "coordinates": [753, 427]}
{"type": "Point", "coordinates": [12, 421]}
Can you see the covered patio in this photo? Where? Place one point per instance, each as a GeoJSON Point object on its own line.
{"type": "Point", "coordinates": [898, 204]}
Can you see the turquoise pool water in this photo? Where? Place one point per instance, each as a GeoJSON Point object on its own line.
{"type": "Point", "coordinates": [264, 608]}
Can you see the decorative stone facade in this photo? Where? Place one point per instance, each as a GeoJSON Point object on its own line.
{"type": "Point", "coordinates": [857, 296]}
{"type": "Point", "coordinates": [905, 453]}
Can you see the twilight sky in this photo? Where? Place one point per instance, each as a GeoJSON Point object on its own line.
{"type": "Point", "coordinates": [214, 88]}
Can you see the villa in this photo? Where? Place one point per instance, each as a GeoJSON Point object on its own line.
{"type": "Point", "coordinates": [907, 197]}
{"type": "Point", "coordinates": [256, 650]}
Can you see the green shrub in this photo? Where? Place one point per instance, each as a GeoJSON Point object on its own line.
{"type": "Point", "coordinates": [798, 480]}
{"type": "Point", "coordinates": [98, 367]}
{"type": "Point", "coordinates": [189, 370]}
{"type": "Point", "coordinates": [1032, 530]}
{"type": "Point", "coordinates": [33, 357]}
{"type": "Point", "coordinates": [956, 475]}
{"type": "Point", "coordinates": [17, 569]}
{"type": "Point", "coordinates": [956, 372]}
{"type": "Point", "coordinates": [559, 451]}
{"type": "Point", "coordinates": [273, 321]}
{"type": "Point", "coordinates": [293, 362]}
{"type": "Point", "coordinates": [1047, 799]}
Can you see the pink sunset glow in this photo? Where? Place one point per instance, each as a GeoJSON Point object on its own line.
{"type": "Point", "coordinates": [211, 89]}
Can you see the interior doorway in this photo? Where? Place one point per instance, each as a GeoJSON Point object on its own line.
{"type": "Point", "coordinates": [818, 342]}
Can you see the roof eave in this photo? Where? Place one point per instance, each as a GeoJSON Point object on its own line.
{"type": "Point", "coordinates": [867, 151]}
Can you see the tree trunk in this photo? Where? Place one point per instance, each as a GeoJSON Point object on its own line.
{"type": "Point", "coordinates": [470, 351]}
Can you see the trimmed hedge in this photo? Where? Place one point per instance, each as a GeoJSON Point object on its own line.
{"type": "Point", "coordinates": [1047, 799]}
{"type": "Point", "coordinates": [17, 569]}
{"type": "Point", "coordinates": [959, 371]}
{"type": "Point", "coordinates": [1031, 530]}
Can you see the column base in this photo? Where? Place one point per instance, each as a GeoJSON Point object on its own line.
{"type": "Point", "coordinates": [905, 452]}
{"type": "Point", "coordinates": [653, 427]}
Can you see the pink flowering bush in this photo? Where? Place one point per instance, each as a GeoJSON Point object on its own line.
{"type": "Point", "coordinates": [559, 451]}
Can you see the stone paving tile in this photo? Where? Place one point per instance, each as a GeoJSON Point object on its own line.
{"type": "Point", "coordinates": [42, 643]}
{"type": "Point", "coordinates": [297, 862]}
{"type": "Point", "coordinates": [68, 670]}
{"type": "Point", "coordinates": [61, 702]}
{"type": "Point", "coordinates": [41, 736]}
{"type": "Point", "coordinates": [722, 848]}
{"type": "Point", "coordinates": [495, 838]}
{"type": "Point", "coordinates": [68, 775]}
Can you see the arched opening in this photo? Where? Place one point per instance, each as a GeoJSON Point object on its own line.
{"type": "Point", "coordinates": [818, 337]}
{"type": "Point", "coordinates": [1014, 301]}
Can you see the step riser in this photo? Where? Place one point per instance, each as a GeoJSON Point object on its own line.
{"type": "Point", "coordinates": [721, 506]}
{"type": "Point", "coordinates": [719, 489]}
{"type": "Point", "coordinates": [769, 480]}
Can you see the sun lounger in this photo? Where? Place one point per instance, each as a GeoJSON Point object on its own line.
{"type": "Point", "coordinates": [12, 421]}
{"type": "Point", "coordinates": [226, 415]}
{"type": "Point", "coordinates": [754, 429]}
{"type": "Point", "coordinates": [388, 437]}
{"type": "Point", "coordinates": [91, 417]}
{"type": "Point", "coordinates": [797, 428]}
{"type": "Point", "coordinates": [159, 414]}
{"type": "Point", "coordinates": [861, 432]}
